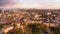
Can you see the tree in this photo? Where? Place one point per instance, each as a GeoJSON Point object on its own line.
{"type": "Point", "coordinates": [1, 26]}
{"type": "Point", "coordinates": [34, 28]}
{"type": "Point", "coordinates": [57, 30]}
{"type": "Point", "coordinates": [18, 31]}
{"type": "Point", "coordinates": [14, 25]}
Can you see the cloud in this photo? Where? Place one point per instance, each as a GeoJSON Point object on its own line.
{"type": "Point", "coordinates": [5, 2]}
{"type": "Point", "coordinates": [30, 3]}
{"type": "Point", "coordinates": [37, 6]}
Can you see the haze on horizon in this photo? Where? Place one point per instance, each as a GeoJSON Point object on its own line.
{"type": "Point", "coordinates": [39, 4]}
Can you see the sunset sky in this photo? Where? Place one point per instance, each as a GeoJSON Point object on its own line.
{"type": "Point", "coordinates": [40, 4]}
